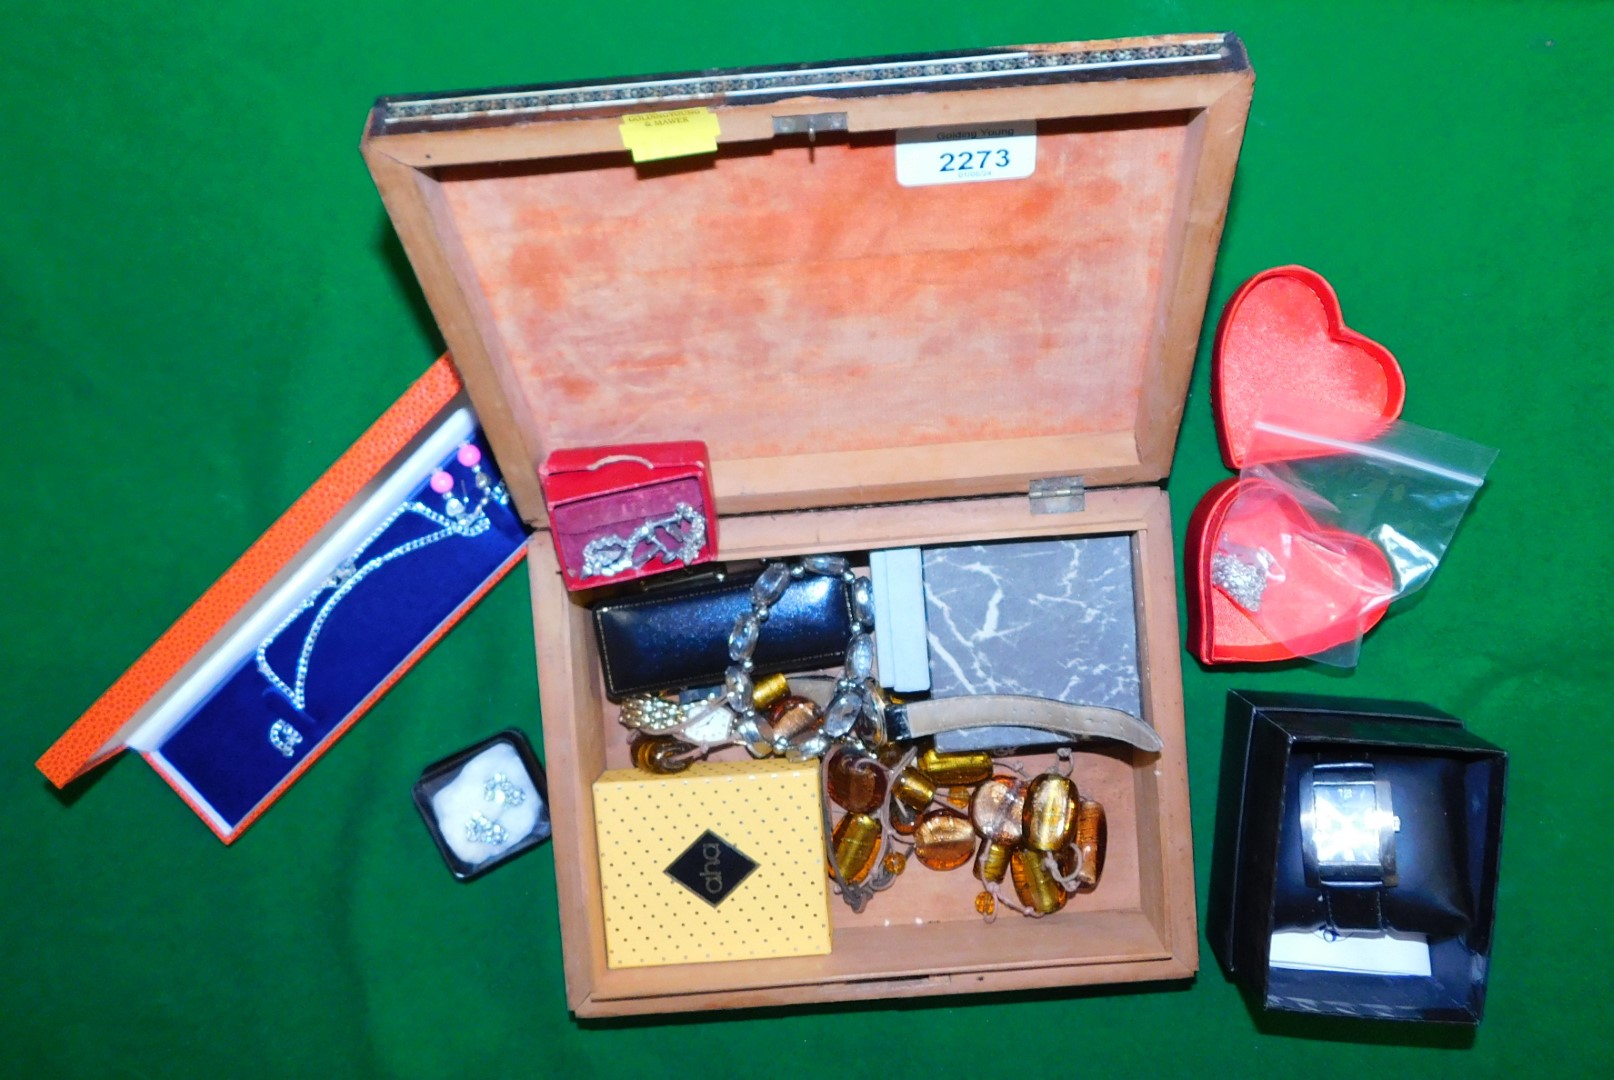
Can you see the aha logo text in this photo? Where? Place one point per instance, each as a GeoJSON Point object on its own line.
{"type": "Point", "coordinates": [711, 868]}
{"type": "Point", "coordinates": [712, 876]}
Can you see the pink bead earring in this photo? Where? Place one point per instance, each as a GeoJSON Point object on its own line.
{"type": "Point", "coordinates": [443, 484]}
{"type": "Point", "coordinates": [470, 456]}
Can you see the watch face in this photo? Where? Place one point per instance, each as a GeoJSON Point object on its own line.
{"type": "Point", "coordinates": [1345, 826]}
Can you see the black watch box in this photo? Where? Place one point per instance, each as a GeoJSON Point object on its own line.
{"type": "Point", "coordinates": [1329, 899]}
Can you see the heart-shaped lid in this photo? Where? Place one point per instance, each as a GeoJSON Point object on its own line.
{"type": "Point", "coordinates": [1282, 336]}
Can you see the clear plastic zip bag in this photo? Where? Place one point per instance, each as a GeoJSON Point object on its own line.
{"type": "Point", "coordinates": [1336, 519]}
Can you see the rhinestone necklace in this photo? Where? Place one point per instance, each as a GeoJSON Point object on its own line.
{"type": "Point", "coordinates": [468, 523]}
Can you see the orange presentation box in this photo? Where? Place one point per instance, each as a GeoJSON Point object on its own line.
{"type": "Point", "coordinates": [318, 619]}
{"type": "Point", "coordinates": [916, 301]}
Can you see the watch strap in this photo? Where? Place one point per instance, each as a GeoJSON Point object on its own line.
{"type": "Point", "coordinates": [1354, 908]}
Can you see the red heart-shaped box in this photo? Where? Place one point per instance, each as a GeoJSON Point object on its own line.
{"type": "Point", "coordinates": [1326, 588]}
{"type": "Point", "coordinates": [1283, 336]}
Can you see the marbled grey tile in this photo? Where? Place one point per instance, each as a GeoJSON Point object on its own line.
{"type": "Point", "coordinates": [1051, 618]}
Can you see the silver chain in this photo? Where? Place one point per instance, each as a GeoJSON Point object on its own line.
{"type": "Point", "coordinates": [468, 524]}
{"type": "Point", "coordinates": [1244, 573]}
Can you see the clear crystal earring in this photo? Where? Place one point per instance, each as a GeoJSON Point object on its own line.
{"type": "Point", "coordinates": [484, 830]}
{"type": "Point", "coordinates": [284, 737]}
{"type": "Point", "coordinates": [504, 791]}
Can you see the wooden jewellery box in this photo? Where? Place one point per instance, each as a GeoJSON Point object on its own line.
{"type": "Point", "coordinates": [879, 351]}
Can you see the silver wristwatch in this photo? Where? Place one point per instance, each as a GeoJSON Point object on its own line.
{"type": "Point", "coordinates": [1347, 829]}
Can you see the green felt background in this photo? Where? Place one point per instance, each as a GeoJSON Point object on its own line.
{"type": "Point", "coordinates": [201, 305]}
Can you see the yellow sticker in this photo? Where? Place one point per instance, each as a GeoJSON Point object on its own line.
{"type": "Point", "coordinates": [678, 133]}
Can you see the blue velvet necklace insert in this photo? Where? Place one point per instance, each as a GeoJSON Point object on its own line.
{"type": "Point", "coordinates": [424, 561]}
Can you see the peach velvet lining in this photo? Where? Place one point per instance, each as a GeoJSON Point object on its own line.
{"type": "Point", "coordinates": [776, 303]}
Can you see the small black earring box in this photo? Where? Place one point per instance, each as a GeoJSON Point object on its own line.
{"type": "Point", "coordinates": [439, 774]}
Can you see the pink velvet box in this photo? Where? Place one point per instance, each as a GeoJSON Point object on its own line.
{"type": "Point", "coordinates": [613, 497]}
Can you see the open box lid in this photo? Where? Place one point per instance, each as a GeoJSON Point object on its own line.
{"type": "Point", "coordinates": [833, 335]}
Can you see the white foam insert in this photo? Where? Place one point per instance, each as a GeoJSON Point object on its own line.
{"type": "Point", "coordinates": [1372, 954]}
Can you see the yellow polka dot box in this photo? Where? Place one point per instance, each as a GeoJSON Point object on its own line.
{"type": "Point", "coordinates": [724, 861]}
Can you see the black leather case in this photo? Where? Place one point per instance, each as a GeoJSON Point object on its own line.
{"type": "Point", "coordinates": [674, 637]}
